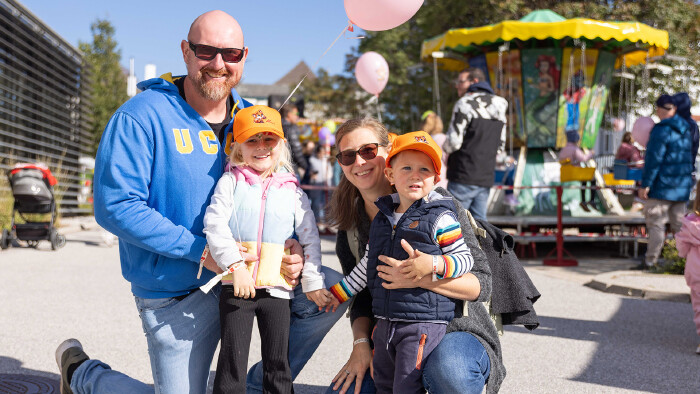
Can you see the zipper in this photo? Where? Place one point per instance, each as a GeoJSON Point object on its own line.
{"type": "Point", "coordinates": [421, 347]}
{"type": "Point", "coordinates": [391, 251]}
{"type": "Point", "coordinates": [265, 186]}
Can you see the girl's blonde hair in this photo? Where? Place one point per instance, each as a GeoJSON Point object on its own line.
{"type": "Point", "coordinates": [432, 124]}
{"type": "Point", "coordinates": [342, 208]}
{"type": "Point", "coordinates": [696, 203]}
{"type": "Point", "coordinates": [284, 160]}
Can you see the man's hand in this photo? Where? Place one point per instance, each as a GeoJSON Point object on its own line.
{"type": "Point", "coordinates": [643, 193]}
{"type": "Point", "coordinates": [292, 263]}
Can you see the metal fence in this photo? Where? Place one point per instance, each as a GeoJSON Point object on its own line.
{"type": "Point", "coordinates": [44, 102]}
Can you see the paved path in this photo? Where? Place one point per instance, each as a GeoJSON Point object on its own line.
{"type": "Point", "coordinates": [589, 341]}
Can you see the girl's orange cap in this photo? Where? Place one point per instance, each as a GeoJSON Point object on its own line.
{"type": "Point", "coordinates": [256, 119]}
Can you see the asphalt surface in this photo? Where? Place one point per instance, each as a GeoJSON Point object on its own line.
{"type": "Point", "coordinates": [589, 340]}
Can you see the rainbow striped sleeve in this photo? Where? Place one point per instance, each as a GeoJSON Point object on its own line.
{"type": "Point", "coordinates": [353, 283]}
{"type": "Point", "coordinates": [456, 255]}
{"type": "Point", "coordinates": [341, 291]}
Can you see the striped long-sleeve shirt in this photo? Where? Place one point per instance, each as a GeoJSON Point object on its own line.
{"type": "Point", "coordinates": [456, 256]}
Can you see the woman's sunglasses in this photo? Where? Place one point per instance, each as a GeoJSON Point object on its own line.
{"type": "Point", "coordinates": [206, 52]}
{"type": "Point", "coordinates": [367, 152]}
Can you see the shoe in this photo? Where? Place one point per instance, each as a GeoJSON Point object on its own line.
{"type": "Point", "coordinates": [69, 355]}
{"type": "Point", "coordinates": [697, 350]}
{"type": "Point", "coordinates": [583, 206]}
{"type": "Point", "coordinates": [592, 206]}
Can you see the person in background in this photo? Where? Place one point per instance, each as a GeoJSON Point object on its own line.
{"type": "Point", "coordinates": [688, 245]}
{"type": "Point", "coordinates": [432, 124]}
{"type": "Point", "coordinates": [683, 105]}
{"type": "Point", "coordinates": [158, 162]}
{"type": "Point", "coordinates": [321, 175]}
{"type": "Point", "coordinates": [475, 136]}
{"type": "Point", "coordinates": [290, 117]}
{"type": "Point", "coordinates": [572, 154]}
{"type": "Point", "coordinates": [629, 152]}
{"type": "Point", "coordinates": [667, 176]}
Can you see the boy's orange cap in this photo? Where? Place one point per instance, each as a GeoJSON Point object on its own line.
{"type": "Point", "coordinates": [420, 141]}
{"type": "Point", "coordinates": [256, 119]}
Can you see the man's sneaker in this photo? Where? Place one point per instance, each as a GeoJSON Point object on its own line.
{"type": "Point", "coordinates": [69, 355]}
{"type": "Point", "coordinates": [697, 350]}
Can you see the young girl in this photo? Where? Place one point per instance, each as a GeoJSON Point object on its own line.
{"type": "Point", "coordinates": [688, 245]}
{"type": "Point", "coordinates": [258, 203]}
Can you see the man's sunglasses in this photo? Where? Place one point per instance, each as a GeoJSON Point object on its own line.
{"type": "Point", "coordinates": [367, 152]}
{"type": "Point", "coordinates": [206, 52]}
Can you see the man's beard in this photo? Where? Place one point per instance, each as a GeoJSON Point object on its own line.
{"type": "Point", "coordinates": [214, 90]}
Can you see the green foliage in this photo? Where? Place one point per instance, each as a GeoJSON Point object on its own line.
{"type": "Point", "coordinates": [410, 88]}
{"type": "Point", "coordinates": [108, 79]}
{"type": "Point", "coordinates": [674, 264]}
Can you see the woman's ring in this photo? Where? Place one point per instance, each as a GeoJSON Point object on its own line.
{"type": "Point", "coordinates": [347, 372]}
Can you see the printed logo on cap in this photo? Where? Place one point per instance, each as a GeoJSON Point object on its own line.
{"type": "Point", "coordinates": [259, 117]}
{"type": "Point", "coordinates": [420, 138]}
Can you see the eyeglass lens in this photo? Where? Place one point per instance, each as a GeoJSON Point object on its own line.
{"type": "Point", "coordinates": [367, 152]}
{"type": "Point", "coordinates": [206, 52]}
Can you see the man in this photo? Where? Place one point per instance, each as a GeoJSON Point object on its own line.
{"type": "Point", "coordinates": [667, 177]}
{"type": "Point", "coordinates": [290, 117]}
{"type": "Point", "coordinates": [475, 136]}
{"type": "Point", "coordinates": [159, 159]}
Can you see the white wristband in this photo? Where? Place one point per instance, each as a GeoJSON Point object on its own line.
{"type": "Point", "coordinates": [436, 260]}
{"type": "Point", "coordinates": [360, 340]}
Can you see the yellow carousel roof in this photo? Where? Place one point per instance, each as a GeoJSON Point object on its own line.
{"type": "Point", "coordinates": [633, 40]}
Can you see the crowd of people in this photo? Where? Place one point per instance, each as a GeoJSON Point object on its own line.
{"type": "Point", "coordinates": [234, 236]}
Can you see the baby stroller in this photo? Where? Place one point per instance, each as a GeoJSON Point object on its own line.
{"type": "Point", "coordinates": [32, 189]}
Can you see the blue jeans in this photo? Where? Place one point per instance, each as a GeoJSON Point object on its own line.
{"type": "Point", "coordinates": [182, 350]}
{"type": "Point", "coordinates": [459, 364]}
{"type": "Point", "coordinates": [307, 329]}
{"type": "Point", "coordinates": [473, 198]}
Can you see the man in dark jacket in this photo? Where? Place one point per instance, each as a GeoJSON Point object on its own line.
{"type": "Point", "coordinates": [667, 177]}
{"type": "Point", "coordinates": [476, 134]}
{"type": "Point", "coordinates": [290, 116]}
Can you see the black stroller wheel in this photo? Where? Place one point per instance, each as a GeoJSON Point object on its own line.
{"type": "Point", "coordinates": [5, 240]}
{"type": "Point", "coordinates": [57, 240]}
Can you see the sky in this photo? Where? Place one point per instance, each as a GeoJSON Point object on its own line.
{"type": "Point", "coordinates": [278, 33]}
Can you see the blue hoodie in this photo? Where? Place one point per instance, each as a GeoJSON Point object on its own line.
{"type": "Point", "coordinates": [156, 168]}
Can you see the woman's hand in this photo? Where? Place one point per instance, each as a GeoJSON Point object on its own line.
{"type": "Point", "coordinates": [355, 369]}
{"type": "Point", "coordinates": [293, 262]}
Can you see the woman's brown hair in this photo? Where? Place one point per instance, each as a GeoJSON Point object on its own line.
{"type": "Point", "coordinates": [627, 137]}
{"type": "Point", "coordinates": [343, 205]}
{"type": "Point", "coordinates": [432, 124]}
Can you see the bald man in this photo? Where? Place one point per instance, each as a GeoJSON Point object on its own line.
{"type": "Point", "coordinates": [158, 162]}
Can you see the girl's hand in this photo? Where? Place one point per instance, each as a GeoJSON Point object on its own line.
{"type": "Point", "coordinates": [243, 284]}
{"type": "Point", "coordinates": [355, 369]}
{"type": "Point", "coordinates": [320, 297]}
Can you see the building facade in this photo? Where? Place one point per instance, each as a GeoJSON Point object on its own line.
{"type": "Point", "coordinates": [44, 103]}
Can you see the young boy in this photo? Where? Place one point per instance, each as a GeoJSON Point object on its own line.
{"type": "Point", "coordinates": [410, 322]}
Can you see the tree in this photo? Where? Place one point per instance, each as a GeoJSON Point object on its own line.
{"type": "Point", "coordinates": [108, 80]}
{"type": "Point", "coordinates": [410, 88]}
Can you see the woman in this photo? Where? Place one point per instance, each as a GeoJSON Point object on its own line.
{"type": "Point", "coordinates": [469, 355]}
{"type": "Point", "coordinates": [432, 124]}
{"type": "Point", "coordinates": [628, 152]}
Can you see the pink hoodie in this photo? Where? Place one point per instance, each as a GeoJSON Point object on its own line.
{"type": "Point", "coordinates": [688, 245]}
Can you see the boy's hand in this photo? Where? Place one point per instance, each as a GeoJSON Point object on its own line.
{"type": "Point", "coordinates": [417, 265]}
{"type": "Point", "coordinates": [333, 302]}
{"type": "Point", "coordinates": [320, 297]}
{"type": "Point", "coordinates": [243, 284]}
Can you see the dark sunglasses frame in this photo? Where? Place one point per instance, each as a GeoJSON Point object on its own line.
{"type": "Point", "coordinates": [229, 55]}
{"type": "Point", "coordinates": [366, 151]}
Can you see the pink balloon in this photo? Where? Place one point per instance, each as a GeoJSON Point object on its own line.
{"type": "Point", "coordinates": [641, 130]}
{"type": "Point", "coordinates": [618, 124]}
{"type": "Point", "coordinates": [372, 72]}
{"type": "Point", "coordinates": [377, 15]}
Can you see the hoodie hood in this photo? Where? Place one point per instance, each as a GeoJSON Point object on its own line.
{"type": "Point", "coordinates": [675, 123]}
{"type": "Point", "coordinates": [165, 83]}
{"type": "Point", "coordinates": [480, 86]}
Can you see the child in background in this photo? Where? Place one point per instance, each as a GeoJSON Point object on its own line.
{"type": "Point", "coordinates": [575, 155]}
{"type": "Point", "coordinates": [411, 322]}
{"type": "Point", "coordinates": [321, 175]}
{"type": "Point", "coordinates": [688, 245]}
{"type": "Point", "coordinates": [258, 202]}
